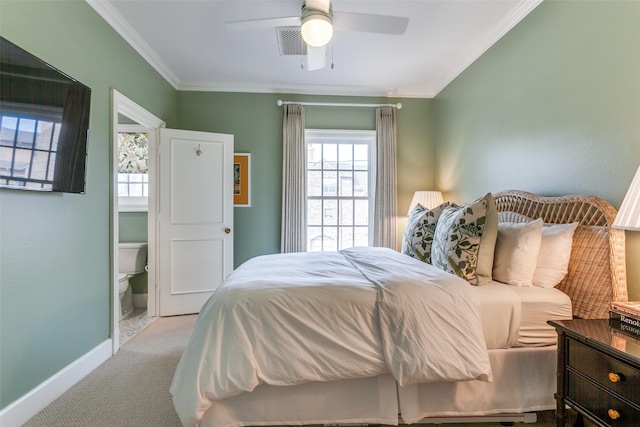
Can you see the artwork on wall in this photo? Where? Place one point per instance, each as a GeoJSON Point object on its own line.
{"type": "Point", "coordinates": [242, 179]}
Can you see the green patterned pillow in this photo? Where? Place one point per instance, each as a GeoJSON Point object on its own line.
{"type": "Point", "coordinates": [418, 234]}
{"type": "Point", "coordinates": [465, 238]}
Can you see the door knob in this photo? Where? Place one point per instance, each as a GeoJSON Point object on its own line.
{"type": "Point", "coordinates": [227, 230]}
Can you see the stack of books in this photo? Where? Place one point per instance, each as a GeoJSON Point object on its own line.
{"type": "Point", "coordinates": [624, 317]}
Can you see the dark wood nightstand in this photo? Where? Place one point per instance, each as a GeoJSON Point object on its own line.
{"type": "Point", "coordinates": [598, 373]}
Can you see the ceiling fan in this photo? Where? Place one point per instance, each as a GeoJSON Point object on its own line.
{"type": "Point", "coordinates": [317, 23]}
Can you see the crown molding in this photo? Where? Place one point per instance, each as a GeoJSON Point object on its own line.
{"type": "Point", "coordinates": [131, 36]}
{"type": "Point", "coordinates": [304, 90]}
{"type": "Point", "coordinates": [122, 27]}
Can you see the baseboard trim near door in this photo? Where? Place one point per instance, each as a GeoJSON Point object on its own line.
{"type": "Point", "coordinates": [20, 411]}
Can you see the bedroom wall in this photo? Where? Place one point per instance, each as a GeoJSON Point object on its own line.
{"type": "Point", "coordinates": [256, 122]}
{"type": "Point", "coordinates": [54, 248]}
{"type": "Point", "coordinates": [552, 108]}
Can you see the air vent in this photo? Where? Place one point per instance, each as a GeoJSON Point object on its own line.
{"type": "Point", "coordinates": [290, 41]}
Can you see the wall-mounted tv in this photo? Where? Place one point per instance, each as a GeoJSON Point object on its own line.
{"type": "Point", "coordinates": [44, 124]}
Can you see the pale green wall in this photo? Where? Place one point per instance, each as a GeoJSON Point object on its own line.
{"type": "Point", "coordinates": [132, 227]}
{"type": "Point", "coordinates": [552, 108]}
{"type": "Point", "coordinates": [256, 123]}
{"type": "Point", "coordinates": [54, 248]}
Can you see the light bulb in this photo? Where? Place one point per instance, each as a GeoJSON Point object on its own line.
{"type": "Point", "coordinates": [317, 30]}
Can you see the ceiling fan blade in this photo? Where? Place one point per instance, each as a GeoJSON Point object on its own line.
{"type": "Point", "coordinates": [258, 24]}
{"type": "Point", "coordinates": [362, 22]}
{"type": "Point", "coordinates": [321, 5]}
{"type": "Point", "coordinates": [316, 57]}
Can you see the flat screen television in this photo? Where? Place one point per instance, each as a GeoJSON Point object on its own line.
{"type": "Point", "coordinates": [44, 124]}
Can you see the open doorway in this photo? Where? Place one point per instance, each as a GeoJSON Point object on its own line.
{"type": "Point", "coordinates": [130, 117]}
{"type": "Point", "coordinates": [132, 171]}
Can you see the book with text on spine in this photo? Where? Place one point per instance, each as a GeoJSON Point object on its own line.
{"type": "Point", "coordinates": [625, 324]}
{"type": "Point", "coordinates": [629, 307]}
{"type": "Point", "coordinates": [620, 315]}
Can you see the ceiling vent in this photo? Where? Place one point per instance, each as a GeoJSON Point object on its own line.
{"type": "Point", "coordinates": [290, 41]}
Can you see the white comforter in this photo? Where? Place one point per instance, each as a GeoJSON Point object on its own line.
{"type": "Point", "coordinates": [289, 319]}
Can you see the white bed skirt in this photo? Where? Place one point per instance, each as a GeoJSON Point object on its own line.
{"type": "Point", "coordinates": [524, 381]}
{"type": "Point", "coordinates": [370, 400]}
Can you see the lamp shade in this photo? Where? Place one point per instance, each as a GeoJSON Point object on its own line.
{"type": "Point", "coordinates": [628, 217]}
{"type": "Point", "coordinates": [428, 199]}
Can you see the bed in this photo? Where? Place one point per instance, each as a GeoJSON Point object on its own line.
{"type": "Point", "coordinates": [395, 339]}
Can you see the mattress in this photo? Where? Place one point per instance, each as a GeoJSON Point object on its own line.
{"type": "Point", "coordinates": [515, 316]}
{"type": "Point", "coordinates": [500, 313]}
{"type": "Point", "coordinates": [538, 306]}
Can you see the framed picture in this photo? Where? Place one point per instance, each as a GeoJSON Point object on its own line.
{"type": "Point", "coordinates": [242, 179]}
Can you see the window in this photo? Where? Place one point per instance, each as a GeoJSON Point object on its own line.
{"type": "Point", "coordinates": [28, 147]}
{"type": "Point", "coordinates": [133, 168]}
{"type": "Point", "coordinates": [340, 176]}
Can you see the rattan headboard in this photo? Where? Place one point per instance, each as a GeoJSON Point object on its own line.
{"type": "Point", "coordinates": [597, 270]}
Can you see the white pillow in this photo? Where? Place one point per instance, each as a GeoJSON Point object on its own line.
{"type": "Point", "coordinates": [554, 255]}
{"type": "Point", "coordinates": [517, 249]}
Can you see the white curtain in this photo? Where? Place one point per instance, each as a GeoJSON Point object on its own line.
{"type": "Point", "coordinates": [294, 190]}
{"type": "Point", "coordinates": [384, 221]}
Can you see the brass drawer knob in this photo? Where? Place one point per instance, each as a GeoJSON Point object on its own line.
{"type": "Point", "coordinates": [613, 414]}
{"type": "Point", "coordinates": [228, 230]}
{"type": "Point", "coordinates": [614, 378]}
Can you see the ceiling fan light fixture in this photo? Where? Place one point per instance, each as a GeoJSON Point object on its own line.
{"type": "Point", "coordinates": [317, 27]}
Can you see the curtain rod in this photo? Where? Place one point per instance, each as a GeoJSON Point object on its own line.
{"type": "Point", "coordinates": [337, 104]}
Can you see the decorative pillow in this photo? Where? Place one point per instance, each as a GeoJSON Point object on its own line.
{"type": "Point", "coordinates": [465, 238]}
{"type": "Point", "coordinates": [555, 252]}
{"type": "Point", "coordinates": [418, 234]}
{"type": "Point", "coordinates": [517, 249]}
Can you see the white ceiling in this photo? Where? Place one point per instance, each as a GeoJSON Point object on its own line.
{"type": "Point", "coordinates": [187, 43]}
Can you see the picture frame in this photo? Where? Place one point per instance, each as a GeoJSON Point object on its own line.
{"type": "Point", "coordinates": [242, 180]}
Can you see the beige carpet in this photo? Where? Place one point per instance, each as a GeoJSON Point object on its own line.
{"type": "Point", "coordinates": [132, 388]}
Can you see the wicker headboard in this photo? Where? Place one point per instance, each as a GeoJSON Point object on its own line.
{"type": "Point", "coordinates": [597, 269]}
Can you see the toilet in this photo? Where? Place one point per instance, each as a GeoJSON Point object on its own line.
{"type": "Point", "coordinates": [132, 260]}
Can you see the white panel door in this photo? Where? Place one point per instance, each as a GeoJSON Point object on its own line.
{"type": "Point", "coordinates": [195, 218]}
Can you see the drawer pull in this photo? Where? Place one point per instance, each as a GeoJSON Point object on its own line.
{"type": "Point", "coordinates": [613, 414]}
{"type": "Point", "coordinates": [614, 378]}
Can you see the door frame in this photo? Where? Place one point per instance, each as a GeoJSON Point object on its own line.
{"type": "Point", "coordinates": [120, 104]}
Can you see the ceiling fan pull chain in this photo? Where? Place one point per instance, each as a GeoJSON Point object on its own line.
{"type": "Point", "coordinates": [332, 53]}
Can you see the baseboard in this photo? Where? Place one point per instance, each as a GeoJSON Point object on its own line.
{"type": "Point", "coordinates": [140, 300]}
{"type": "Point", "coordinates": [21, 410]}
{"type": "Point", "coordinates": [526, 417]}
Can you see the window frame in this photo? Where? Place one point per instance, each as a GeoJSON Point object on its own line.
{"type": "Point", "coordinates": [335, 135]}
{"type": "Point", "coordinates": [132, 203]}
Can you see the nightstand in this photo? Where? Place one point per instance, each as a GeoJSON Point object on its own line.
{"type": "Point", "coordinates": [598, 373]}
